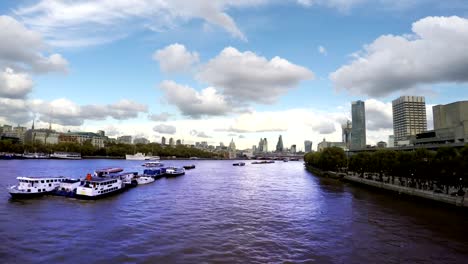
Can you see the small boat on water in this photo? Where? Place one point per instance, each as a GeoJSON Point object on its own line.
{"type": "Point", "coordinates": [66, 155]}
{"type": "Point", "coordinates": [154, 173]}
{"type": "Point", "coordinates": [152, 164]}
{"type": "Point", "coordinates": [140, 156]}
{"type": "Point", "coordinates": [144, 179]}
{"type": "Point", "coordinates": [95, 188]}
{"type": "Point", "coordinates": [173, 172]}
{"type": "Point", "coordinates": [106, 172]}
{"type": "Point", "coordinates": [36, 155]}
{"type": "Point", "coordinates": [67, 187]}
{"type": "Point", "coordinates": [35, 186]}
{"type": "Point", "coordinates": [189, 167]}
{"type": "Point", "coordinates": [239, 164]}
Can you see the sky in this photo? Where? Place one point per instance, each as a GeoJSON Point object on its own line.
{"type": "Point", "coordinates": [205, 70]}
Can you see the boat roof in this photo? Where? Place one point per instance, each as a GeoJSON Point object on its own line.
{"type": "Point", "coordinates": [71, 181]}
{"type": "Point", "coordinates": [108, 169]}
{"type": "Point", "coordinates": [100, 179]}
{"type": "Point", "coordinates": [39, 177]}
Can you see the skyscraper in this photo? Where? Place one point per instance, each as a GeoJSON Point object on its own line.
{"type": "Point", "coordinates": [265, 145]}
{"type": "Point", "coordinates": [307, 146]}
{"type": "Point", "coordinates": [293, 149]}
{"type": "Point", "coordinates": [409, 116]}
{"type": "Point", "coordinates": [279, 145]}
{"type": "Point", "coordinates": [163, 141]}
{"type": "Point", "coordinates": [171, 142]}
{"type": "Point", "coordinates": [346, 133]}
{"type": "Point", "coordinates": [358, 129]}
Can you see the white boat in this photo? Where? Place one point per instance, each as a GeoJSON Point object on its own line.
{"type": "Point", "coordinates": [95, 188]}
{"type": "Point", "coordinates": [35, 155]}
{"type": "Point", "coordinates": [129, 178]}
{"type": "Point", "coordinates": [140, 156]}
{"type": "Point", "coordinates": [144, 179]}
{"type": "Point", "coordinates": [66, 155]}
{"type": "Point", "coordinates": [106, 172]}
{"type": "Point", "coordinates": [174, 171]}
{"type": "Point", "coordinates": [68, 187]}
{"type": "Point", "coordinates": [34, 186]}
{"type": "Point", "coordinates": [153, 164]}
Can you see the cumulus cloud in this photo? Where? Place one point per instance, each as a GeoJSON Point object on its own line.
{"type": "Point", "coordinates": [194, 103]}
{"type": "Point", "coordinates": [199, 134]}
{"type": "Point", "coordinates": [25, 49]}
{"type": "Point", "coordinates": [175, 58]}
{"type": "Point", "coordinates": [322, 50]}
{"type": "Point", "coordinates": [14, 111]}
{"type": "Point", "coordinates": [83, 22]}
{"type": "Point", "coordinates": [379, 115]}
{"type": "Point", "coordinates": [65, 112]}
{"type": "Point", "coordinates": [164, 116]}
{"type": "Point", "coordinates": [247, 77]}
{"type": "Point", "coordinates": [14, 84]}
{"type": "Point", "coordinates": [165, 129]}
{"type": "Point", "coordinates": [436, 52]}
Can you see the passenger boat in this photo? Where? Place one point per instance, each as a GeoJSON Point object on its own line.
{"type": "Point", "coordinates": [152, 164]}
{"type": "Point", "coordinates": [189, 167]}
{"type": "Point", "coordinates": [68, 187]}
{"type": "Point", "coordinates": [66, 155]}
{"type": "Point", "coordinates": [154, 173]}
{"type": "Point", "coordinates": [140, 156]}
{"type": "Point", "coordinates": [95, 188]}
{"type": "Point", "coordinates": [144, 179]}
{"type": "Point", "coordinates": [106, 172]}
{"type": "Point", "coordinates": [173, 172]}
{"type": "Point", "coordinates": [35, 155]}
{"type": "Point", "coordinates": [239, 164]}
{"type": "Point", "coordinates": [34, 186]}
{"type": "Point", "coordinates": [128, 178]}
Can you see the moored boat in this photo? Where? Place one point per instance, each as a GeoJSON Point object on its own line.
{"type": "Point", "coordinates": [140, 156]}
{"type": "Point", "coordinates": [106, 172]}
{"type": "Point", "coordinates": [152, 164]}
{"type": "Point", "coordinates": [34, 186]}
{"type": "Point", "coordinates": [95, 188]}
{"type": "Point", "coordinates": [129, 178]}
{"type": "Point", "coordinates": [36, 155]}
{"type": "Point", "coordinates": [66, 155]}
{"type": "Point", "coordinates": [154, 173]}
{"type": "Point", "coordinates": [173, 172]}
{"type": "Point", "coordinates": [189, 167]}
{"type": "Point", "coordinates": [263, 162]}
{"type": "Point", "coordinates": [239, 164]}
{"type": "Point", "coordinates": [67, 187]}
{"type": "Point", "coordinates": [144, 179]}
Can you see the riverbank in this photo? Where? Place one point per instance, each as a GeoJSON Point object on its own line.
{"type": "Point", "coordinates": [459, 201]}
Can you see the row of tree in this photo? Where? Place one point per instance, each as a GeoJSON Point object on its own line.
{"type": "Point", "coordinates": [110, 149]}
{"type": "Point", "coordinates": [447, 166]}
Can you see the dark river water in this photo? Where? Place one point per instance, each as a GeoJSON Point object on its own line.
{"type": "Point", "coordinates": [272, 213]}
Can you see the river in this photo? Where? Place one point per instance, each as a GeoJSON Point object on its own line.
{"type": "Point", "coordinates": [273, 213]}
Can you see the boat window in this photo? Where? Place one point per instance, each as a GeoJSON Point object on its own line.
{"type": "Point", "coordinates": [42, 181]}
{"type": "Point", "coordinates": [29, 190]}
{"type": "Point", "coordinates": [47, 180]}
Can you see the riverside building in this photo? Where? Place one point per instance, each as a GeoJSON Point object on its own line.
{"type": "Point", "coordinates": [358, 129]}
{"type": "Point", "coordinates": [409, 117]}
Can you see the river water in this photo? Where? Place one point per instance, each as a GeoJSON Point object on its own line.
{"type": "Point", "coordinates": [273, 213]}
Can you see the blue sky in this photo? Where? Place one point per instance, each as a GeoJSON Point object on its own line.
{"type": "Point", "coordinates": [105, 74]}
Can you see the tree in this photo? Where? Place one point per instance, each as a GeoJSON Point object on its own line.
{"type": "Point", "coordinates": [332, 159]}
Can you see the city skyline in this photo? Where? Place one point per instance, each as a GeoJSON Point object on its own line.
{"type": "Point", "coordinates": [153, 76]}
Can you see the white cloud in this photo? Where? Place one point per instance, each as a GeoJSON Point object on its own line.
{"type": "Point", "coordinates": [322, 50]}
{"type": "Point", "coordinates": [175, 58]}
{"type": "Point", "coordinates": [194, 103]}
{"type": "Point", "coordinates": [165, 129]}
{"type": "Point", "coordinates": [164, 116]}
{"type": "Point", "coordinates": [342, 5]}
{"type": "Point", "coordinates": [199, 134]}
{"type": "Point", "coordinates": [14, 85]}
{"type": "Point", "coordinates": [83, 22]}
{"type": "Point", "coordinates": [379, 115]}
{"type": "Point", "coordinates": [24, 49]}
{"type": "Point", "coordinates": [247, 77]}
{"type": "Point", "coordinates": [435, 53]}
{"type": "Point", "coordinates": [14, 111]}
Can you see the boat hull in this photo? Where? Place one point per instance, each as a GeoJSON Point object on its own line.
{"type": "Point", "coordinates": [21, 195]}
{"type": "Point", "coordinates": [172, 175]}
{"type": "Point", "coordinates": [97, 197]}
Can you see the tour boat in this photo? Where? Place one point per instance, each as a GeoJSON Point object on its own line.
{"type": "Point", "coordinates": [189, 167]}
{"type": "Point", "coordinates": [239, 164]}
{"type": "Point", "coordinates": [66, 155]}
{"type": "Point", "coordinates": [154, 173]}
{"type": "Point", "coordinates": [153, 164]}
{"type": "Point", "coordinates": [35, 155]}
{"type": "Point", "coordinates": [129, 178]}
{"type": "Point", "coordinates": [144, 179]}
{"type": "Point", "coordinates": [34, 186]}
{"type": "Point", "coordinates": [173, 172]}
{"type": "Point", "coordinates": [140, 156]}
{"type": "Point", "coordinates": [68, 187]}
{"type": "Point", "coordinates": [95, 188]}
{"type": "Point", "coordinates": [106, 172]}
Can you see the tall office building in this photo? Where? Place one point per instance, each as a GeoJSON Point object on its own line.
{"type": "Point", "coordinates": [293, 149]}
{"type": "Point", "coordinates": [171, 142]}
{"type": "Point", "coordinates": [409, 117]}
{"type": "Point", "coordinates": [307, 146]}
{"type": "Point", "coordinates": [358, 129]}
{"type": "Point", "coordinates": [279, 145]}
{"type": "Point", "coordinates": [163, 141]}
{"type": "Point", "coordinates": [265, 145]}
{"type": "Point", "coordinates": [346, 133]}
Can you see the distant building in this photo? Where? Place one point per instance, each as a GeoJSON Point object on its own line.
{"type": "Point", "coordinates": [279, 145]}
{"type": "Point", "coordinates": [125, 139]}
{"type": "Point", "coordinates": [293, 149]}
{"type": "Point", "coordinates": [101, 133]}
{"type": "Point", "coordinates": [232, 150]}
{"type": "Point", "coordinates": [163, 141]}
{"type": "Point", "coordinates": [15, 133]}
{"type": "Point", "coordinates": [327, 144]}
{"type": "Point", "coordinates": [381, 144]}
{"type": "Point", "coordinates": [307, 146]}
{"type": "Point", "coordinates": [171, 142]}
{"type": "Point", "coordinates": [178, 142]}
{"type": "Point", "coordinates": [391, 141]}
{"type": "Point", "coordinates": [81, 137]}
{"type": "Point", "coordinates": [346, 133]}
{"type": "Point", "coordinates": [265, 145]}
{"type": "Point", "coordinates": [141, 140]}
{"type": "Point", "coordinates": [409, 117]}
{"type": "Point", "coordinates": [358, 129]}
{"type": "Point", "coordinates": [44, 136]}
